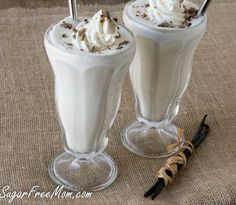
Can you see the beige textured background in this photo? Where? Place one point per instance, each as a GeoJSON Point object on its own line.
{"type": "Point", "coordinates": [52, 3]}
{"type": "Point", "coordinates": [30, 135]}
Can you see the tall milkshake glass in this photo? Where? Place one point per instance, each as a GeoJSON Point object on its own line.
{"type": "Point", "coordinates": [87, 93]}
{"type": "Point", "coordinates": [160, 73]}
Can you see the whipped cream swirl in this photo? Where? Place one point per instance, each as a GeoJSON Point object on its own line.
{"type": "Point", "coordinates": [170, 11]}
{"type": "Point", "coordinates": [99, 34]}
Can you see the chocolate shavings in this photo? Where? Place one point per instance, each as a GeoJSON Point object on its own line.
{"type": "Point", "coordinates": [66, 25]}
{"type": "Point", "coordinates": [123, 43]}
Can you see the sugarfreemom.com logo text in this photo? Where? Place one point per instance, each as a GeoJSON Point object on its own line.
{"type": "Point", "coordinates": [34, 192]}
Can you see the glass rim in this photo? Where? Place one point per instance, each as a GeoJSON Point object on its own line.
{"type": "Point", "coordinates": [78, 52]}
{"type": "Point", "coordinates": [161, 29]}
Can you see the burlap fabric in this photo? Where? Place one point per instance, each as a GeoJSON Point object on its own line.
{"type": "Point", "coordinates": [30, 133]}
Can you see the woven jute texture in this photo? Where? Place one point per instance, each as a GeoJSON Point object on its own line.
{"type": "Point", "coordinates": [30, 132]}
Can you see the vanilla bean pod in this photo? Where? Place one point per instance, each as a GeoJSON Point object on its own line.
{"type": "Point", "coordinates": [199, 137]}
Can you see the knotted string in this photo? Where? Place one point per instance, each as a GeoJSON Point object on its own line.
{"type": "Point", "coordinates": [172, 163]}
{"type": "Point", "coordinates": [175, 163]}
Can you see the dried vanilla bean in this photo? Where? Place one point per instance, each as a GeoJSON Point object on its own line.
{"type": "Point", "coordinates": [175, 163]}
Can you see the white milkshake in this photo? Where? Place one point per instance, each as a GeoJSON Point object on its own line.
{"type": "Point", "coordinates": [88, 83]}
{"type": "Point", "coordinates": [89, 60]}
{"type": "Point", "coordinates": [167, 35]}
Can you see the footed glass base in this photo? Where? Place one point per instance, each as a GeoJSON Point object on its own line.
{"type": "Point", "coordinates": [150, 142]}
{"type": "Point", "coordinates": [83, 174]}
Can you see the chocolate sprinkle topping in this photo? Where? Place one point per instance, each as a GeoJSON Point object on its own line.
{"type": "Point", "coordinates": [82, 32]}
{"type": "Point", "coordinates": [144, 15]}
{"type": "Point", "coordinates": [189, 15]}
{"type": "Point", "coordinates": [82, 37]}
{"type": "Point", "coordinates": [69, 44]}
{"type": "Point", "coordinates": [115, 19]}
{"type": "Point", "coordinates": [64, 35]}
{"type": "Point", "coordinates": [66, 25]}
{"type": "Point", "coordinates": [74, 30]}
{"type": "Point", "coordinates": [119, 47]}
{"type": "Point", "coordinates": [165, 24]}
{"type": "Point", "coordinates": [118, 36]}
{"type": "Point", "coordinates": [93, 49]}
{"type": "Point", "coordinates": [123, 43]}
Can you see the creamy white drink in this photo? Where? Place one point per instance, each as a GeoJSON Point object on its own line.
{"type": "Point", "coordinates": [89, 59]}
{"type": "Point", "coordinates": [167, 35]}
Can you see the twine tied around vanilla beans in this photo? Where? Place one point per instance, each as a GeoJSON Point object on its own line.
{"type": "Point", "coordinates": [171, 164]}
{"type": "Point", "coordinates": [175, 163]}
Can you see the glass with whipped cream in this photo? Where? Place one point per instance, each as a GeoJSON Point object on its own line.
{"type": "Point", "coordinates": [167, 34]}
{"type": "Point", "coordinates": [89, 59]}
